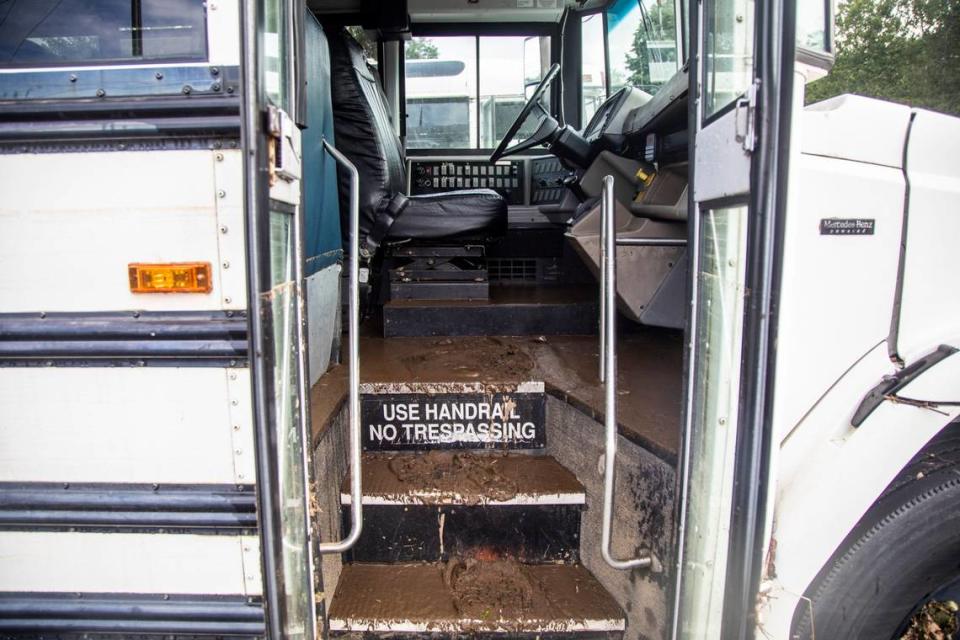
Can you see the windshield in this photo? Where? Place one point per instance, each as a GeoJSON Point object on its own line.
{"type": "Point", "coordinates": [464, 92]}
{"type": "Point", "coordinates": [642, 44]}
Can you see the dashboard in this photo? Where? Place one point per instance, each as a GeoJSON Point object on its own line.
{"type": "Point", "coordinates": [522, 181]}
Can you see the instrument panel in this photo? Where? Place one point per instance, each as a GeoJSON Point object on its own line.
{"type": "Point", "coordinates": [506, 177]}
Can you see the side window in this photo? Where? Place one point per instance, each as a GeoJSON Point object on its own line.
{"type": "Point", "coordinates": [642, 44]}
{"type": "Point", "coordinates": [43, 33]}
{"type": "Point", "coordinates": [274, 50]}
{"type": "Point", "coordinates": [593, 72]}
{"type": "Point", "coordinates": [812, 26]}
{"type": "Point", "coordinates": [728, 52]}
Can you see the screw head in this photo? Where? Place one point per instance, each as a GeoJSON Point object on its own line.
{"type": "Point", "coordinates": [101, 93]}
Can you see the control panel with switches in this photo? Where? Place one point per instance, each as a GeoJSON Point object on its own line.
{"type": "Point", "coordinates": [547, 181]}
{"type": "Point", "coordinates": [433, 176]}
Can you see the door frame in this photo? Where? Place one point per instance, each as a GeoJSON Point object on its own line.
{"type": "Point", "coordinates": [766, 199]}
{"type": "Point", "coordinates": [262, 356]}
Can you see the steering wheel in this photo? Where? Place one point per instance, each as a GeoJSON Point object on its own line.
{"type": "Point", "coordinates": [546, 128]}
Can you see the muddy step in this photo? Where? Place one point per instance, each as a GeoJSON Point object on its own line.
{"type": "Point", "coordinates": [472, 597]}
{"type": "Point", "coordinates": [401, 416]}
{"type": "Point", "coordinates": [440, 504]}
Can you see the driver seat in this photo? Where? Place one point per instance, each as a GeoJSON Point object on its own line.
{"type": "Point", "coordinates": [365, 134]}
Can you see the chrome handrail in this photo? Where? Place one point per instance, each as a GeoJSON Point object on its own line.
{"type": "Point", "coordinates": [608, 307]}
{"type": "Point", "coordinates": [353, 325]}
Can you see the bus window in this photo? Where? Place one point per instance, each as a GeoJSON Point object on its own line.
{"type": "Point", "coordinates": [446, 108]}
{"type": "Point", "coordinates": [61, 32]}
{"type": "Point", "coordinates": [593, 75]}
{"type": "Point", "coordinates": [441, 79]}
{"type": "Point", "coordinates": [642, 44]}
{"type": "Point", "coordinates": [510, 68]}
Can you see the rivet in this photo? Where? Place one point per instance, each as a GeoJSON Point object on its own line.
{"type": "Point", "coordinates": [221, 193]}
{"type": "Point", "coordinates": [233, 363]}
{"type": "Point", "coordinates": [233, 376]}
{"type": "Point", "coordinates": [186, 89]}
{"type": "Point", "coordinates": [236, 427]}
{"type": "Point", "coordinates": [43, 314]}
{"type": "Point", "coordinates": [722, 421]}
{"type": "Point", "coordinates": [226, 264]}
{"type": "Point", "coordinates": [136, 314]}
{"type": "Point", "coordinates": [219, 157]}
{"type": "Point", "coordinates": [73, 77]}
{"type": "Point", "coordinates": [234, 402]}
{"type": "Point", "coordinates": [239, 451]}
{"type": "Point", "coordinates": [229, 89]}
{"type": "Point", "coordinates": [223, 228]}
{"type": "Point", "coordinates": [214, 71]}
{"type": "Point", "coordinates": [101, 93]}
{"type": "Point", "coordinates": [739, 18]}
{"type": "Point", "coordinates": [215, 86]}
{"type": "Point", "coordinates": [66, 485]}
{"type": "Point", "coordinates": [158, 75]}
{"type": "Point", "coordinates": [228, 300]}
{"type": "Point", "coordinates": [156, 486]}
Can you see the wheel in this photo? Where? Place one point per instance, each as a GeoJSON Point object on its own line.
{"type": "Point", "coordinates": [904, 552]}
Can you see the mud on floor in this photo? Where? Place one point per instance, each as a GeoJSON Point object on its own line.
{"type": "Point", "coordinates": [468, 474]}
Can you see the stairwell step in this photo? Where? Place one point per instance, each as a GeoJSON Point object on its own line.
{"type": "Point", "coordinates": [465, 478]}
{"type": "Point", "coordinates": [472, 596]}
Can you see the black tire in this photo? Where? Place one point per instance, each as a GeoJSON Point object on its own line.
{"type": "Point", "coordinates": [902, 550]}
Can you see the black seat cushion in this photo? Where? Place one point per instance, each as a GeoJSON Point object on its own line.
{"type": "Point", "coordinates": [365, 134]}
{"type": "Point", "coordinates": [472, 212]}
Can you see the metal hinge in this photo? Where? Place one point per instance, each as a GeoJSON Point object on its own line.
{"type": "Point", "coordinates": [746, 113]}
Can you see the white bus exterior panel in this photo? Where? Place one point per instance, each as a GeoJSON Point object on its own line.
{"type": "Point", "coordinates": [837, 291]}
{"type": "Point", "coordinates": [830, 473]}
{"type": "Point", "coordinates": [223, 33]}
{"type": "Point", "coordinates": [43, 561]}
{"type": "Point", "coordinates": [930, 310]}
{"type": "Point", "coordinates": [71, 223]}
{"type": "Point", "coordinates": [126, 425]}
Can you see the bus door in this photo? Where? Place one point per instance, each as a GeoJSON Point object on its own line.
{"type": "Point", "coordinates": [739, 100]}
{"type": "Point", "coordinates": [271, 142]}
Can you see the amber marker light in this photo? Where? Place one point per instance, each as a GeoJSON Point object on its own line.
{"type": "Point", "coordinates": [173, 277]}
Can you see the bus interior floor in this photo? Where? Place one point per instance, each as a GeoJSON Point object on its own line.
{"type": "Point", "coordinates": [649, 380]}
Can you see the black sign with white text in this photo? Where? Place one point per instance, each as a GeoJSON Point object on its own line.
{"type": "Point", "coordinates": [847, 226]}
{"type": "Point", "coordinates": [393, 422]}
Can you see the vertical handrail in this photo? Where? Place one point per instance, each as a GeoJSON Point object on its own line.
{"type": "Point", "coordinates": [608, 285]}
{"type": "Point", "coordinates": [603, 283]}
{"type": "Point", "coordinates": [353, 326]}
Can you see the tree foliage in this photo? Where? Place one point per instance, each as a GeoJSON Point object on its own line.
{"type": "Point", "coordinates": [657, 23]}
{"type": "Point", "coordinates": [421, 49]}
{"type": "Point", "coordinates": [906, 51]}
